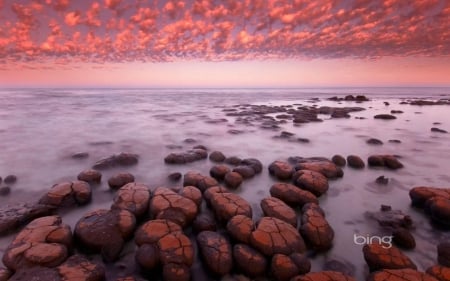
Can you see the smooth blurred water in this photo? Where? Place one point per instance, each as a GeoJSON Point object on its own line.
{"type": "Point", "coordinates": [41, 128]}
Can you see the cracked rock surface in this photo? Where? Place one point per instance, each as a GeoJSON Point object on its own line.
{"type": "Point", "coordinates": [216, 252]}
{"type": "Point", "coordinates": [315, 228]}
{"type": "Point", "coordinates": [311, 181]}
{"type": "Point", "coordinates": [274, 207]}
{"type": "Point", "coordinates": [400, 275]}
{"type": "Point", "coordinates": [324, 276]}
{"type": "Point", "coordinates": [68, 194]}
{"type": "Point", "coordinates": [292, 195]}
{"type": "Point", "coordinates": [381, 256]}
{"type": "Point", "coordinates": [133, 197]}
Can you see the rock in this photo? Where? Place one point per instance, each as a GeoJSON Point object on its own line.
{"type": "Point", "coordinates": [217, 156]}
{"type": "Point", "coordinates": [45, 241]}
{"type": "Point", "coordinates": [68, 194]}
{"type": "Point", "coordinates": [339, 160]}
{"type": "Point", "coordinates": [12, 217]}
{"type": "Point", "coordinates": [90, 176]}
{"type": "Point", "coordinates": [249, 261]}
{"type": "Point", "coordinates": [281, 170]}
{"type": "Point", "coordinates": [315, 229]}
{"type": "Point", "coordinates": [78, 267]}
{"type": "Point", "coordinates": [175, 176]}
{"type": "Point", "coordinates": [80, 155]}
{"type": "Point", "coordinates": [321, 165]}
{"type": "Point", "coordinates": [193, 193]}
{"type": "Point", "coordinates": [439, 210]}
{"type": "Point", "coordinates": [133, 197]}
{"type": "Point", "coordinates": [283, 267]}
{"type": "Point", "coordinates": [303, 140]}
{"type": "Point", "coordinates": [199, 181]}
{"type": "Point", "coordinates": [147, 256]}
{"type": "Point", "coordinates": [121, 179]}
{"type": "Point", "coordinates": [396, 111]}
{"type": "Point", "coordinates": [339, 265]}
{"type": "Point", "coordinates": [355, 161]}
{"type": "Point", "coordinates": [400, 275]}
{"type": "Point", "coordinates": [176, 248]}
{"type": "Point", "coordinates": [395, 141]}
{"type": "Point", "coordinates": [227, 205]}
{"type": "Point", "coordinates": [190, 140]}
{"type": "Point", "coordinates": [403, 238]}
{"type": "Point", "coordinates": [5, 274]}
{"type": "Point", "coordinates": [387, 217]}
{"type": "Point", "coordinates": [254, 163]}
{"type": "Point", "coordinates": [324, 276]}
{"type": "Point", "coordinates": [240, 228]}
{"type": "Point", "coordinates": [443, 251]}
{"type": "Point", "coordinates": [420, 195]}
{"type": "Point", "coordinates": [186, 157]}
{"type": "Point", "coordinates": [311, 181]}
{"type": "Point", "coordinates": [388, 161]}
{"type": "Point", "coordinates": [233, 180]}
{"type": "Point", "coordinates": [383, 256]}
{"type": "Point", "coordinates": [385, 116]}
{"type": "Point", "coordinates": [245, 171]}
{"type": "Point", "coordinates": [292, 195]}
{"type": "Point", "coordinates": [10, 179]}
{"type": "Point", "coordinates": [176, 272]}
{"type": "Point", "coordinates": [437, 130]}
{"type": "Point", "coordinates": [441, 273]}
{"type": "Point", "coordinates": [219, 171]}
{"type": "Point", "coordinates": [216, 252]}
{"type": "Point", "coordinates": [5, 190]}
{"type": "Point", "coordinates": [233, 160]}
{"type": "Point", "coordinates": [374, 141]}
{"type": "Point", "coordinates": [274, 207]}
{"type": "Point", "coordinates": [273, 236]}
{"type": "Point", "coordinates": [382, 180]}
{"type": "Point", "coordinates": [36, 273]}
{"type": "Point", "coordinates": [386, 103]}
{"type": "Point", "coordinates": [105, 231]}
{"type": "Point", "coordinates": [169, 205]}
{"type": "Point", "coordinates": [122, 159]}
{"type": "Point", "coordinates": [153, 230]}
{"type": "Point", "coordinates": [204, 222]}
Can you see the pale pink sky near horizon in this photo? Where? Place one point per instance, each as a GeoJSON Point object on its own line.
{"type": "Point", "coordinates": [229, 43]}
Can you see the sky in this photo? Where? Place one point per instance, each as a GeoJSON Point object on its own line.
{"type": "Point", "coordinates": [229, 43]}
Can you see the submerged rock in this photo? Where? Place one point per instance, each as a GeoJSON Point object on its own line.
{"type": "Point", "coordinates": [90, 176]}
{"type": "Point", "coordinates": [240, 228]}
{"type": "Point", "coordinates": [122, 159]}
{"type": "Point", "coordinates": [233, 180]}
{"type": "Point", "coordinates": [10, 179]}
{"type": "Point", "coordinates": [355, 161]}
{"type": "Point", "coordinates": [318, 164]}
{"type": "Point", "coordinates": [13, 217]}
{"type": "Point", "coordinates": [217, 156]}
{"type": "Point", "coordinates": [121, 179]}
{"type": "Point", "coordinates": [388, 161]}
{"type": "Point", "coordinates": [186, 157]}
{"type": "Point", "coordinates": [339, 160]}
{"type": "Point", "coordinates": [385, 116]}
{"type": "Point", "coordinates": [437, 130]}
{"type": "Point", "coordinates": [198, 180]}
{"type": "Point", "coordinates": [311, 181]}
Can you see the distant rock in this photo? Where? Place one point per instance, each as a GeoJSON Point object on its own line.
{"type": "Point", "coordinates": [122, 160]}
{"type": "Point", "coordinates": [10, 179]}
{"type": "Point", "coordinates": [374, 141]}
{"type": "Point", "coordinates": [13, 217]}
{"type": "Point", "coordinates": [385, 116]}
{"type": "Point", "coordinates": [121, 179]}
{"type": "Point", "coordinates": [339, 160]}
{"type": "Point", "coordinates": [437, 130]}
{"type": "Point", "coordinates": [355, 161]}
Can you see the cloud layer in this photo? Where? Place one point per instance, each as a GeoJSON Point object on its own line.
{"type": "Point", "coordinates": [66, 31]}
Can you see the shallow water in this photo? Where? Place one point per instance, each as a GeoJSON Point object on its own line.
{"type": "Point", "coordinates": [41, 128]}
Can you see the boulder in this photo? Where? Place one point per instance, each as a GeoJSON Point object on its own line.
{"type": "Point", "coordinates": [153, 230]}
{"type": "Point", "coordinates": [315, 229]}
{"type": "Point", "coordinates": [384, 256]}
{"type": "Point", "coordinates": [123, 159]}
{"type": "Point", "coordinates": [219, 171]}
{"type": "Point", "coordinates": [254, 163]}
{"type": "Point", "coordinates": [67, 194]}
{"type": "Point", "coordinates": [198, 180]}
{"type": "Point", "coordinates": [283, 267]}
{"type": "Point", "coordinates": [12, 217]}
{"type": "Point", "coordinates": [193, 193]}
{"type": "Point", "coordinates": [388, 161]}
{"type": "Point", "coordinates": [216, 252]}
{"type": "Point", "coordinates": [240, 228]}
{"type": "Point", "coordinates": [133, 197]}
{"type": "Point", "coordinates": [281, 170]}
{"type": "Point", "coordinates": [420, 195]}
{"type": "Point", "coordinates": [119, 180]}
{"type": "Point", "coordinates": [384, 116]}
{"type": "Point", "coordinates": [90, 176]}
{"type": "Point", "coordinates": [312, 181]}
{"type": "Point", "coordinates": [320, 165]}
{"type": "Point", "coordinates": [403, 238]}
{"type": "Point", "coordinates": [339, 160]}
{"type": "Point", "coordinates": [10, 179]}
{"type": "Point", "coordinates": [292, 195]}
{"type": "Point", "coordinates": [245, 171]}
{"type": "Point", "coordinates": [186, 157]}
{"type": "Point", "coordinates": [400, 275]}
{"type": "Point", "coordinates": [78, 267]}
{"type": "Point", "coordinates": [274, 207]}
{"type": "Point", "coordinates": [439, 210]}
{"type": "Point", "coordinates": [251, 262]}
{"type": "Point", "coordinates": [355, 161]}
{"type": "Point", "coordinates": [441, 273]}
{"type": "Point", "coordinates": [217, 156]}
{"type": "Point", "coordinates": [233, 179]}
{"type": "Point", "coordinates": [324, 276]}
{"type": "Point", "coordinates": [227, 205]}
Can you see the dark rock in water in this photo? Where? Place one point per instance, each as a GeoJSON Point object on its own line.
{"type": "Point", "coordinates": [5, 190]}
{"type": "Point", "coordinates": [374, 141]}
{"type": "Point", "coordinates": [90, 176]}
{"type": "Point", "coordinates": [439, 210]}
{"type": "Point", "coordinates": [245, 171]}
{"type": "Point", "coordinates": [121, 179]}
{"type": "Point", "coordinates": [387, 217]}
{"type": "Point", "coordinates": [10, 179]}
{"type": "Point", "coordinates": [216, 252]}
{"type": "Point", "coordinates": [340, 114]}
{"type": "Point", "coordinates": [339, 265]}
{"type": "Point", "coordinates": [249, 261]}
{"type": "Point", "coordinates": [395, 141]}
{"type": "Point", "coordinates": [68, 194]}
{"type": "Point", "coordinates": [323, 276]}
{"type": "Point", "coordinates": [175, 176]}
{"type": "Point", "coordinates": [403, 238]}
{"type": "Point", "coordinates": [45, 241]}
{"type": "Point", "coordinates": [443, 252]}
{"type": "Point", "coordinates": [396, 111]}
{"type": "Point", "coordinates": [133, 197]}
{"type": "Point", "coordinates": [318, 164]}
{"type": "Point", "coordinates": [200, 146]}
{"type": "Point", "coordinates": [233, 160]}
{"type": "Point", "coordinates": [217, 156]}
{"type": "Point", "coordinates": [339, 160]}
{"type": "Point", "coordinates": [186, 157]}
{"type": "Point", "coordinates": [441, 273]}
{"type": "Point", "coordinates": [281, 170]}
{"type": "Point", "coordinates": [381, 256]}
{"type": "Point", "coordinates": [292, 195]}
{"type": "Point", "coordinates": [233, 180]}
{"type": "Point", "coordinates": [388, 161]}
{"type": "Point", "coordinates": [437, 130]}
{"type": "Point", "coordinates": [355, 161]}
{"type": "Point", "coordinates": [404, 274]}
{"type": "Point", "coordinates": [274, 207]}
{"type": "Point", "coordinates": [285, 134]}
{"type": "Point", "coordinates": [198, 180]}
{"type": "Point", "coordinates": [122, 159]}
{"type": "Point", "coordinates": [382, 180]}
{"type": "Point", "coordinates": [240, 228]}
{"type": "Point", "coordinates": [254, 163]}
{"type": "Point", "coordinates": [420, 195]}
{"type": "Point", "coordinates": [193, 193]}
{"type": "Point", "coordinates": [12, 217]}
{"type": "Point", "coordinates": [190, 140]}
{"type": "Point", "coordinates": [80, 155]}
{"type": "Point", "coordinates": [386, 103]}
{"type": "Point", "coordinates": [385, 208]}
{"type": "Point", "coordinates": [219, 171]}
{"type": "Point", "coordinates": [311, 181]}
{"type": "Point", "coordinates": [385, 116]}
{"type": "Point", "coordinates": [283, 267]}
{"type": "Point", "coordinates": [235, 132]}
{"type": "Point", "coordinates": [303, 140]}
{"type": "Point", "coordinates": [315, 229]}
{"type": "Point", "coordinates": [204, 222]}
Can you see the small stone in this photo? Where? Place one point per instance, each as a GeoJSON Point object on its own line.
{"type": "Point", "coordinates": [5, 190]}
{"type": "Point", "coordinates": [217, 156]}
{"type": "Point", "coordinates": [175, 176]}
{"type": "Point", "coordinates": [385, 116]}
{"type": "Point", "coordinates": [219, 171]}
{"type": "Point", "coordinates": [90, 176]}
{"type": "Point", "coordinates": [10, 179]}
{"type": "Point", "coordinates": [382, 180]}
{"type": "Point", "coordinates": [339, 160]}
{"type": "Point", "coordinates": [233, 180]}
{"type": "Point", "coordinates": [355, 161]}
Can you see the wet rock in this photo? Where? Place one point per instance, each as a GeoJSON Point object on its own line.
{"type": "Point", "coordinates": [292, 195]}
{"type": "Point", "coordinates": [233, 160]}
{"type": "Point", "coordinates": [80, 155]}
{"type": "Point", "coordinates": [219, 171]}
{"type": "Point", "coordinates": [396, 111]}
{"type": "Point", "coordinates": [12, 217]}
{"type": "Point", "coordinates": [383, 256]}
{"type": "Point", "coordinates": [123, 159]}
{"type": "Point", "coordinates": [10, 179]}
{"type": "Point", "coordinates": [133, 197]}
{"type": "Point", "coordinates": [355, 161]}
{"type": "Point", "coordinates": [153, 230]}
{"type": "Point", "coordinates": [190, 140]}
{"type": "Point", "coordinates": [105, 231]}
{"type": "Point", "coordinates": [303, 140]}
{"type": "Point", "coordinates": [44, 242]}
{"type": "Point", "coordinates": [240, 228]}
{"type": "Point", "coordinates": [235, 132]}
{"type": "Point", "coordinates": [36, 273]}
{"type": "Point", "coordinates": [245, 171]}
{"type": "Point", "coordinates": [400, 275]}
{"type": "Point", "coordinates": [147, 256]}
{"type": "Point", "coordinates": [311, 181]}
{"type": "Point", "coordinates": [403, 238]}
{"type": "Point", "coordinates": [324, 276]}
{"type": "Point", "coordinates": [121, 179]}
{"type": "Point", "coordinates": [204, 222]}
{"type": "Point", "coordinates": [198, 180]}
{"type": "Point", "coordinates": [186, 157]}
{"type": "Point", "coordinates": [320, 165]}
{"type": "Point", "coordinates": [339, 160]}
{"type": "Point", "coordinates": [286, 134]}
{"type": "Point", "coordinates": [169, 205]}
{"type": "Point", "coordinates": [443, 250]}
{"type": "Point", "coordinates": [382, 180]}
{"type": "Point", "coordinates": [68, 194]}
{"type": "Point", "coordinates": [227, 205]}
{"type": "Point", "coordinates": [283, 267]}
{"type": "Point", "coordinates": [274, 207]}
{"type": "Point", "coordinates": [385, 116]}
{"type": "Point", "coordinates": [340, 266]}
{"type": "Point", "coordinates": [439, 210]}
{"type": "Point", "coordinates": [315, 229]}
{"type": "Point", "coordinates": [395, 141]}
{"type": "Point", "coordinates": [249, 261]}
{"type": "Point", "coordinates": [374, 141]}
{"type": "Point", "coordinates": [273, 236]}
{"type": "Point", "coordinates": [388, 161]}
{"type": "Point", "coordinates": [176, 272]}
{"type": "Point", "coordinates": [175, 176]}
{"type": "Point", "coordinates": [386, 103]}
{"type": "Point", "coordinates": [281, 170]}
{"type": "Point", "coordinates": [387, 217]}
{"type": "Point", "coordinates": [176, 248]}
{"type": "Point", "coordinates": [217, 156]}
{"type": "Point", "coordinates": [216, 252]}
{"type": "Point", "coordinates": [90, 176]}
{"type": "Point", "coordinates": [420, 195]}
{"type": "Point", "coordinates": [233, 180]}
{"type": "Point", "coordinates": [5, 274]}
{"type": "Point", "coordinates": [437, 130]}
{"type": "Point", "coordinates": [255, 164]}
{"type": "Point", "coordinates": [441, 273]}
{"type": "Point", "coordinates": [78, 267]}
{"type": "Point", "coordinates": [193, 193]}
{"type": "Point", "coordinates": [5, 190]}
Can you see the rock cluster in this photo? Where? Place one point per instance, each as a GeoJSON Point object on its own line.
{"type": "Point", "coordinates": [187, 156]}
